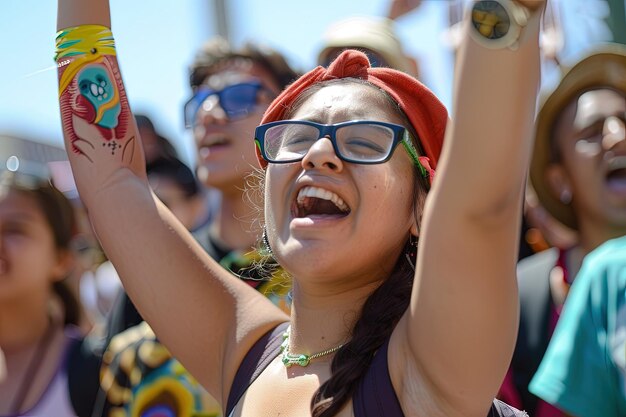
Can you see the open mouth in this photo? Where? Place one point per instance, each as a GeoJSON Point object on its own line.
{"type": "Point", "coordinates": [616, 176]}
{"type": "Point", "coordinates": [217, 140]}
{"type": "Point", "coordinates": [213, 144]}
{"type": "Point", "coordinates": [314, 201]}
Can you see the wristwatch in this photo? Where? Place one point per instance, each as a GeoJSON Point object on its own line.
{"type": "Point", "coordinates": [497, 24]}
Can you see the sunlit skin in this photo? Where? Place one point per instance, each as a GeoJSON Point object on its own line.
{"type": "Point", "coordinates": [315, 248]}
{"type": "Point", "coordinates": [448, 351]}
{"type": "Point", "coordinates": [591, 137]}
{"type": "Point", "coordinates": [336, 261]}
{"type": "Point", "coordinates": [224, 152]}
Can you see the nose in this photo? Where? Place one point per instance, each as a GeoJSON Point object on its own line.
{"type": "Point", "coordinates": [211, 112]}
{"type": "Point", "coordinates": [613, 132]}
{"type": "Point", "coordinates": [322, 155]}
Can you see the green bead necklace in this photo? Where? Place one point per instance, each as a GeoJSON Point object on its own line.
{"type": "Point", "coordinates": [302, 359]}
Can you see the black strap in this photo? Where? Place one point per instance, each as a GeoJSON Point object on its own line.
{"type": "Point", "coordinates": [83, 370]}
{"type": "Point", "coordinates": [375, 396]}
{"type": "Point", "coordinates": [268, 347]}
{"type": "Point", "coordinates": [256, 360]}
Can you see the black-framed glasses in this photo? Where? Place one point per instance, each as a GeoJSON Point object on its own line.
{"type": "Point", "coordinates": [237, 100]}
{"type": "Point", "coordinates": [359, 142]}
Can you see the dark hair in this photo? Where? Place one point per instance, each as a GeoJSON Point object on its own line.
{"type": "Point", "coordinates": [166, 149]}
{"type": "Point", "coordinates": [61, 219]}
{"type": "Point", "coordinates": [384, 307]}
{"type": "Point", "coordinates": [217, 51]}
{"type": "Point", "coordinates": [178, 172]}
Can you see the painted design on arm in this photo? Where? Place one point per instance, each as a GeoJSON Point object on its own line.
{"type": "Point", "coordinates": [94, 107]}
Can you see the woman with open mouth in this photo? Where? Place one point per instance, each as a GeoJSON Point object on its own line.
{"type": "Point", "coordinates": [403, 304]}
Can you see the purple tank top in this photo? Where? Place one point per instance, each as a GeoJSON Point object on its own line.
{"type": "Point", "coordinates": [374, 396]}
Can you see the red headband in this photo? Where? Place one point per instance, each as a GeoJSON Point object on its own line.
{"type": "Point", "coordinates": [425, 112]}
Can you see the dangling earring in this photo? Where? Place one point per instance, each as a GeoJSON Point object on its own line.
{"type": "Point", "coordinates": [566, 196]}
{"type": "Point", "coordinates": [410, 251]}
{"type": "Point", "coordinates": [266, 242]}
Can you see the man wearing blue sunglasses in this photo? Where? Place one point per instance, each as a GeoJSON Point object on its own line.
{"type": "Point", "coordinates": [231, 88]}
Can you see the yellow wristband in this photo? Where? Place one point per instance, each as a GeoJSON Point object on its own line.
{"type": "Point", "coordinates": [85, 44]}
{"type": "Point", "coordinates": [83, 40]}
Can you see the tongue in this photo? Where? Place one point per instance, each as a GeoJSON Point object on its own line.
{"type": "Point", "coordinates": [319, 206]}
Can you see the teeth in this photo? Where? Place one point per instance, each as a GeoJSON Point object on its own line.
{"type": "Point", "coordinates": [215, 140]}
{"type": "Point", "coordinates": [617, 163]}
{"type": "Point", "coordinates": [323, 194]}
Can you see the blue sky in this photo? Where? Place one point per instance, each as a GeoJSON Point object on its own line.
{"type": "Point", "coordinates": [156, 40]}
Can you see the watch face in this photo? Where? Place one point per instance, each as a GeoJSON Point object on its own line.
{"type": "Point", "coordinates": [491, 19]}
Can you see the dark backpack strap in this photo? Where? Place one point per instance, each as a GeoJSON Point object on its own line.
{"type": "Point", "coordinates": [375, 396]}
{"type": "Point", "coordinates": [83, 374]}
{"type": "Point", "coordinates": [256, 360]}
{"type": "Point", "coordinates": [500, 409]}
{"type": "Point", "coordinates": [123, 316]}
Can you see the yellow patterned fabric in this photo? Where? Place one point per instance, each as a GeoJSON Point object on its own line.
{"type": "Point", "coordinates": [141, 379]}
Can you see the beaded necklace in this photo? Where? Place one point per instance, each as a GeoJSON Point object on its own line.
{"type": "Point", "coordinates": [302, 359]}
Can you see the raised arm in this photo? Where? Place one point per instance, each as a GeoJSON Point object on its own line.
{"type": "Point", "coordinates": [206, 317]}
{"type": "Point", "coordinates": [462, 321]}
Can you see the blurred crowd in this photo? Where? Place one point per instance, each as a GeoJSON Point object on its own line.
{"type": "Point", "coordinates": [66, 321]}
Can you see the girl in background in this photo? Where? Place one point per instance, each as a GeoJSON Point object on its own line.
{"type": "Point", "coordinates": [38, 313]}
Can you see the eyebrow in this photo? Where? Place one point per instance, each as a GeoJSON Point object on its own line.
{"type": "Point", "coordinates": [20, 217]}
{"type": "Point", "coordinates": [314, 119]}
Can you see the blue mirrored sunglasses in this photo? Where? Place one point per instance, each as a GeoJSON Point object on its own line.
{"type": "Point", "coordinates": [237, 100]}
{"type": "Point", "coordinates": [359, 142]}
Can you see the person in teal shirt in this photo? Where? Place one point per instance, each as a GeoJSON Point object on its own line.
{"type": "Point", "coordinates": [584, 369]}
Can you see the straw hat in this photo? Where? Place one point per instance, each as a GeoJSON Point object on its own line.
{"type": "Point", "coordinates": [374, 33]}
{"type": "Point", "coordinates": [605, 67]}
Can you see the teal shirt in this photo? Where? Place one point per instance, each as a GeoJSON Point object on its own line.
{"type": "Point", "coordinates": [584, 369]}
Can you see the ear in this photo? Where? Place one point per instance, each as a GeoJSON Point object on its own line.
{"type": "Point", "coordinates": [559, 183]}
{"type": "Point", "coordinates": [414, 230]}
{"type": "Point", "coordinates": [66, 261]}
